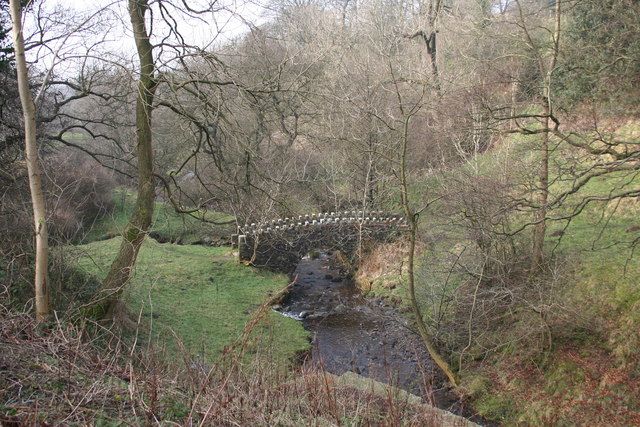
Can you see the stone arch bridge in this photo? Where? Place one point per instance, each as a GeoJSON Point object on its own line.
{"type": "Point", "coordinates": [279, 244]}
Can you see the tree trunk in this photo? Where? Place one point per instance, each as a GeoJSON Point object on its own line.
{"type": "Point", "coordinates": [540, 215]}
{"type": "Point", "coordinates": [422, 327]}
{"type": "Point", "coordinates": [432, 50]}
{"type": "Point", "coordinates": [431, 43]}
{"type": "Point", "coordinates": [33, 167]}
{"type": "Point", "coordinates": [138, 226]}
{"type": "Point", "coordinates": [539, 230]}
{"type": "Point", "coordinates": [413, 232]}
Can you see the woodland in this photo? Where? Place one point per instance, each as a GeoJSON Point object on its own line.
{"type": "Point", "coordinates": [138, 137]}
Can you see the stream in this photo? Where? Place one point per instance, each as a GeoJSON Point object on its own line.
{"type": "Point", "coordinates": [363, 335]}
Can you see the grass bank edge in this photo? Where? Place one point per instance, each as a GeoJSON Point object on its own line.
{"type": "Point", "coordinates": [197, 297]}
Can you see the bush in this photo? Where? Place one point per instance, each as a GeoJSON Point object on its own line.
{"type": "Point", "coordinates": [79, 191]}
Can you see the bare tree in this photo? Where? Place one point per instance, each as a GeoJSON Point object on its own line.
{"type": "Point", "coordinates": [140, 220]}
{"type": "Point", "coordinates": [546, 60]}
{"type": "Point", "coordinates": [33, 166]}
{"type": "Point", "coordinates": [429, 12]}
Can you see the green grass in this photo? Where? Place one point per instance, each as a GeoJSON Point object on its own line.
{"type": "Point", "coordinates": [607, 271]}
{"type": "Point", "coordinates": [201, 295]}
{"type": "Point", "coordinates": [167, 224]}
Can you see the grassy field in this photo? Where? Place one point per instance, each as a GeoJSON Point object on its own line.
{"type": "Point", "coordinates": [167, 224]}
{"type": "Point", "coordinates": [198, 295]}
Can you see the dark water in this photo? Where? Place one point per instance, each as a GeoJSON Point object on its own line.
{"type": "Point", "coordinates": [363, 335]}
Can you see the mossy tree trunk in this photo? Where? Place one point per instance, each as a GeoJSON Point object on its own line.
{"type": "Point", "coordinates": [140, 221]}
{"type": "Point", "coordinates": [33, 166]}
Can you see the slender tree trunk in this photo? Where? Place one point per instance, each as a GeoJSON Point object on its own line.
{"type": "Point", "coordinates": [33, 167]}
{"type": "Point", "coordinates": [432, 50]}
{"type": "Point", "coordinates": [539, 231]}
{"type": "Point", "coordinates": [370, 178]}
{"type": "Point", "coordinates": [412, 219]}
{"type": "Point", "coordinates": [514, 91]}
{"type": "Point", "coordinates": [431, 43]}
{"type": "Point", "coordinates": [138, 226]}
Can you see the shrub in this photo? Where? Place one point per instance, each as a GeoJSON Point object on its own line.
{"type": "Point", "coordinates": [79, 191]}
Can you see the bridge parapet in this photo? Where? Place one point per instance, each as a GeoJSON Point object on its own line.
{"type": "Point", "coordinates": [280, 244]}
{"type": "Point", "coordinates": [371, 219]}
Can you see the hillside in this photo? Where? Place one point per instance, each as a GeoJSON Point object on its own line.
{"type": "Point", "coordinates": [314, 212]}
{"type": "Point", "coordinates": [561, 347]}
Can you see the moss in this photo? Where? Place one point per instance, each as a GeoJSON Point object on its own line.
{"type": "Point", "coordinates": [175, 409]}
{"type": "Point", "coordinates": [496, 407]}
{"type": "Point", "coordinates": [101, 420]}
{"type": "Point", "coordinates": [8, 411]}
{"type": "Point", "coordinates": [131, 234]}
{"type": "Point", "coordinates": [476, 385]}
{"type": "Point", "coordinates": [540, 413]}
{"type": "Point", "coordinates": [95, 311]}
{"type": "Point", "coordinates": [563, 377]}
{"type": "Point", "coordinates": [487, 401]}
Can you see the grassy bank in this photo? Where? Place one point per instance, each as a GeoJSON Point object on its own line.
{"type": "Point", "coordinates": [197, 295]}
{"type": "Point", "coordinates": [192, 295]}
{"type": "Point", "coordinates": [590, 374]}
{"type": "Point", "coordinates": [562, 349]}
{"type": "Point", "coordinates": [167, 225]}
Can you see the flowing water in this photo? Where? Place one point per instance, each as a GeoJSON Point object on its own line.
{"type": "Point", "coordinates": [363, 335]}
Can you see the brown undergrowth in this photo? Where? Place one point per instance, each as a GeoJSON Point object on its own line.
{"type": "Point", "coordinates": [579, 386]}
{"type": "Point", "coordinates": [380, 273]}
{"type": "Point", "coordinates": [62, 374]}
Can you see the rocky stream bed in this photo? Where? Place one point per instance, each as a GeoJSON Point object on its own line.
{"type": "Point", "coordinates": [367, 336]}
